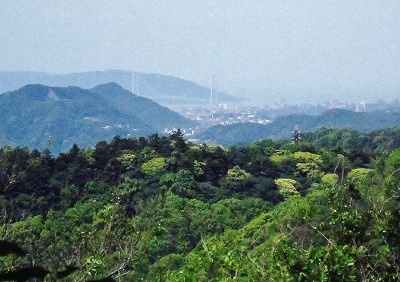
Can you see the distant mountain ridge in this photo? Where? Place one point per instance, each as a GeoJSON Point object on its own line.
{"type": "Point", "coordinates": [10, 81]}
{"type": "Point", "coordinates": [282, 127]}
{"type": "Point", "coordinates": [38, 116]}
{"type": "Point", "coordinates": [170, 91]}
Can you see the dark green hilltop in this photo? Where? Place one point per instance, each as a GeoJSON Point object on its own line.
{"type": "Point", "coordinates": [155, 115]}
{"type": "Point", "coordinates": [40, 116]}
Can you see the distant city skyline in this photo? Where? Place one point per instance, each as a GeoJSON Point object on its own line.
{"type": "Point", "coordinates": [288, 50]}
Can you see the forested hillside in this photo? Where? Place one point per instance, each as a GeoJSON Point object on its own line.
{"type": "Point", "coordinates": [41, 116]}
{"type": "Point", "coordinates": [163, 209]}
{"type": "Point", "coordinates": [281, 127]}
{"type": "Point", "coordinates": [155, 115]}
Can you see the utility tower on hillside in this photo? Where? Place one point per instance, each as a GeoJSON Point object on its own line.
{"type": "Point", "coordinates": [296, 134]}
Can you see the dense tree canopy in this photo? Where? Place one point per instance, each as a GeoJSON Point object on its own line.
{"type": "Point", "coordinates": [164, 209]}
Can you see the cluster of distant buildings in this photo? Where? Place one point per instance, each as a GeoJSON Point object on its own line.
{"type": "Point", "coordinates": [224, 115]}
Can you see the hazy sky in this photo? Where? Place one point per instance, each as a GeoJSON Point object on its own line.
{"type": "Point", "coordinates": [280, 45]}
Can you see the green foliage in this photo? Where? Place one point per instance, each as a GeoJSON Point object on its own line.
{"type": "Point", "coordinates": [163, 209]}
{"type": "Point", "coordinates": [154, 165]}
{"type": "Point", "coordinates": [308, 164]}
{"type": "Point", "coordinates": [330, 179]}
{"type": "Point", "coordinates": [127, 159]}
{"type": "Point", "coordinates": [167, 264]}
{"type": "Point", "coordinates": [280, 157]}
{"type": "Point", "coordinates": [237, 174]}
{"type": "Point", "coordinates": [393, 161]}
{"type": "Point", "coordinates": [181, 183]}
{"type": "Point", "coordinates": [326, 236]}
{"type": "Point", "coordinates": [287, 187]}
{"type": "Point", "coordinates": [361, 178]}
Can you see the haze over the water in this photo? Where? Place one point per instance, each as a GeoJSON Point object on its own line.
{"type": "Point", "coordinates": [282, 49]}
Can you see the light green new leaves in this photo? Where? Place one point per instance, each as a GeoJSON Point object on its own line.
{"type": "Point", "coordinates": [154, 165]}
{"type": "Point", "coordinates": [287, 187]}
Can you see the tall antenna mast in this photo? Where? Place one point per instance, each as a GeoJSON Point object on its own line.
{"type": "Point", "coordinates": [135, 83]}
{"type": "Point", "coordinates": [211, 89]}
{"type": "Point", "coordinates": [213, 94]}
